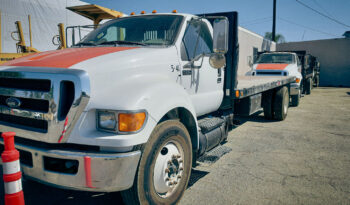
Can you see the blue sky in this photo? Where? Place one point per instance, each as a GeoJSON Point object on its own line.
{"type": "Point", "coordinates": [294, 21]}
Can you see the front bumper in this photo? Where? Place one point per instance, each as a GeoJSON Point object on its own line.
{"type": "Point", "coordinates": [99, 172]}
{"type": "Point", "coordinates": [294, 89]}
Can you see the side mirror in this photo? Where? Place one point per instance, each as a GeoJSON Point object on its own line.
{"type": "Point", "coordinates": [220, 35]}
{"type": "Point", "coordinates": [217, 60]}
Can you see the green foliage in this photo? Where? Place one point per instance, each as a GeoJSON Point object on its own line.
{"type": "Point", "coordinates": [279, 37]}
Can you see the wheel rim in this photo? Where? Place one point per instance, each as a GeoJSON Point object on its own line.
{"type": "Point", "coordinates": [168, 169]}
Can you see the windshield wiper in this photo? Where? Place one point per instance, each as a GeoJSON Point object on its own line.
{"type": "Point", "coordinates": [122, 42]}
{"type": "Point", "coordinates": [85, 44]}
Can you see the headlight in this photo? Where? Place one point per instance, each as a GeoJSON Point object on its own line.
{"type": "Point", "coordinates": [106, 120]}
{"type": "Point", "coordinates": [121, 122]}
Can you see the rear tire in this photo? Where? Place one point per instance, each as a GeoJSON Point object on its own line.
{"type": "Point", "coordinates": [267, 105]}
{"type": "Point", "coordinates": [317, 81]}
{"type": "Point", "coordinates": [281, 103]}
{"type": "Point", "coordinates": [295, 100]}
{"type": "Point", "coordinates": [167, 157]}
{"type": "Point", "coordinates": [308, 86]}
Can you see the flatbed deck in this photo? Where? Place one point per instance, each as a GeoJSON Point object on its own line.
{"type": "Point", "coordinates": [251, 85]}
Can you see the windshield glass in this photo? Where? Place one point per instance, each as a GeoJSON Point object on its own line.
{"type": "Point", "coordinates": [140, 30]}
{"type": "Point", "coordinates": [276, 58]}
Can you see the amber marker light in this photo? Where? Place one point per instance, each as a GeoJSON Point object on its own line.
{"type": "Point", "coordinates": [154, 11]}
{"type": "Point", "coordinates": [131, 122]}
{"type": "Point", "coordinates": [297, 80]}
{"type": "Point", "coordinates": [174, 11]}
{"type": "Point", "coordinates": [132, 13]}
{"type": "Point", "coordinates": [237, 93]}
{"type": "Point", "coordinates": [143, 12]}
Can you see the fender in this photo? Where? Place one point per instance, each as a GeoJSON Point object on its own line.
{"type": "Point", "coordinates": [156, 93]}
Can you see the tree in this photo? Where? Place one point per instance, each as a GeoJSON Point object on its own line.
{"type": "Point", "coordinates": [279, 37]}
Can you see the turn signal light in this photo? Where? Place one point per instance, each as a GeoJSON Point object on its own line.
{"type": "Point", "coordinates": [174, 11]}
{"type": "Point", "coordinates": [132, 13]}
{"type": "Point", "coordinates": [154, 11]}
{"type": "Point", "coordinates": [131, 122]}
{"type": "Point", "coordinates": [297, 80]}
{"type": "Point", "coordinates": [143, 12]}
{"type": "Point", "coordinates": [237, 93]}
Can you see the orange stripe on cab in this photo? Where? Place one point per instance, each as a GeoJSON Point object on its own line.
{"type": "Point", "coordinates": [271, 66]}
{"type": "Point", "coordinates": [64, 58]}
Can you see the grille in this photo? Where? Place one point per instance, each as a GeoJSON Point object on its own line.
{"type": "Point", "coordinates": [26, 84]}
{"type": "Point", "coordinates": [24, 123]}
{"type": "Point", "coordinates": [268, 73]}
{"type": "Point", "coordinates": [28, 104]}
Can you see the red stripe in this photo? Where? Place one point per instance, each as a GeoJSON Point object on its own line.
{"type": "Point", "coordinates": [87, 166]}
{"type": "Point", "coordinates": [64, 58]}
{"type": "Point", "coordinates": [12, 177]}
{"type": "Point", "coordinates": [271, 66]}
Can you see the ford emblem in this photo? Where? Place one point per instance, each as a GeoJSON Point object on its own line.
{"type": "Point", "coordinates": [13, 102]}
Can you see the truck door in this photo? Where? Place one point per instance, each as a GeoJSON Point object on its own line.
{"type": "Point", "coordinates": [201, 81]}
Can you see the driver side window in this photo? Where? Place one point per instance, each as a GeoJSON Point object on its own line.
{"type": "Point", "coordinates": [197, 40]}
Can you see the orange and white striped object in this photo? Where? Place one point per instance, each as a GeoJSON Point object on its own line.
{"type": "Point", "coordinates": [11, 171]}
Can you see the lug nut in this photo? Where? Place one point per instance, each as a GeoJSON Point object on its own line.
{"type": "Point", "coordinates": [175, 182]}
{"type": "Point", "coordinates": [169, 162]}
{"type": "Point", "coordinates": [181, 168]}
{"type": "Point", "coordinates": [180, 160]}
{"type": "Point", "coordinates": [170, 183]}
{"type": "Point", "coordinates": [173, 156]}
{"type": "Point", "coordinates": [179, 177]}
{"type": "Point", "coordinates": [167, 170]}
{"type": "Point", "coordinates": [178, 156]}
{"type": "Point", "coordinates": [167, 179]}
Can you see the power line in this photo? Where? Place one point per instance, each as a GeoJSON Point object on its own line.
{"type": "Point", "coordinates": [257, 21]}
{"type": "Point", "coordinates": [306, 27]}
{"type": "Point", "coordinates": [323, 9]}
{"type": "Point", "coordinates": [322, 14]}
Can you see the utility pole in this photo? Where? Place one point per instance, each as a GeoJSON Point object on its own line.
{"type": "Point", "coordinates": [274, 21]}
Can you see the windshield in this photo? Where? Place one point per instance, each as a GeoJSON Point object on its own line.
{"type": "Point", "coordinates": [276, 58]}
{"type": "Point", "coordinates": [139, 30]}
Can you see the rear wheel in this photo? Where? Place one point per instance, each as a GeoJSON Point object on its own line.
{"type": "Point", "coordinates": [281, 103]}
{"type": "Point", "coordinates": [164, 168]}
{"type": "Point", "coordinates": [317, 80]}
{"type": "Point", "coordinates": [267, 105]}
{"type": "Point", "coordinates": [308, 86]}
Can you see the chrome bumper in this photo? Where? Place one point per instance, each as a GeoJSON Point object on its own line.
{"type": "Point", "coordinates": [294, 89]}
{"type": "Point", "coordinates": [99, 172]}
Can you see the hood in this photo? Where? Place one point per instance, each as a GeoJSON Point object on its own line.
{"type": "Point", "coordinates": [64, 58]}
{"type": "Point", "coordinates": [271, 66]}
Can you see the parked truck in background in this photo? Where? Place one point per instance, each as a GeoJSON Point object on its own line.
{"type": "Point", "coordinates": [281, 64]}
{"type": "Point", "coordinates": [133, 105]}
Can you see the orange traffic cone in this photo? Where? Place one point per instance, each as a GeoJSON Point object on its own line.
{"type": "Point", "coordinates": [11, 171]}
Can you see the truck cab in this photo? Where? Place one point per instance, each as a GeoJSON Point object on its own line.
{"type": "Point", "coordinates": [281, 64]}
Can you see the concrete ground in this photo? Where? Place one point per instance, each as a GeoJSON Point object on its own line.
{"type": "Point", "coordinates": [302, 160]}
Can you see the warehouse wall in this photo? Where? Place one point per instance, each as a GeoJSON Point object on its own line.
{"type": "Point", "coordinates": [247, 42]}
{"type": "Point", "coordinates": [333, 55]}
{"type": "Point", "coordinates": [45, 15]}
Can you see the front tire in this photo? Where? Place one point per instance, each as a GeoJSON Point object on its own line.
{"type": "Point", "coordinates": [281, 103]}
{"type": "Point", "coordinates": [165, 166]}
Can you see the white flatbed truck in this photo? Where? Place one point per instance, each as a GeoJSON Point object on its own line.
{"type": "Point", "coordinates": [133, 105]}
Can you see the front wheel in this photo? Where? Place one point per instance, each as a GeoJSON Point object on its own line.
{"type": "Point", "coordinates": [164, 168]}
{"type": "Point", "coordinates": [281, 103]}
